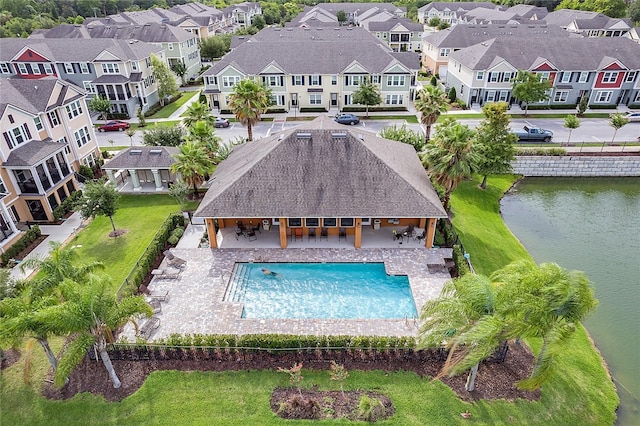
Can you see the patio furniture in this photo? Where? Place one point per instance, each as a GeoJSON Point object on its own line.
{"type": "Point", "coordinates": [173, 260]}
{"type": "Point", "coordinates": [324, 233]}
{"type": "Point", "coordinates": [169, 273]}
{"type": "Point", "coordinates": [312, 233]}
{"type": "Point", "coordinates": [160, 296]}
{"type": "Point", "coordinates": [397, 235]}
{"type": "Point", "coordinates": [289, 234]}
{"type": "Point", "coordinates": [251, 233]}
{"type": "Point", "coordinates": [422, 236]}
{"type": "Point", "coordinates": [342, 233]}
{"type": "Point", "coordinates": [149, 327]}
{"type": "Point", "coordinates": [298, 234]}
{"type": "Point", "coordinates": [239, 232]}
{"type": "Point", "coordinates": [155, 305]}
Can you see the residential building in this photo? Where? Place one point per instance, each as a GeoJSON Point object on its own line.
{"type": "Point", "coordinates": [634, 34]}
{"type": "Point", "coordinates": [355, 13]}
{"type": "Point", "coordinates": [604, 70]}
{"type": "Point", "coordinates": [243, 13]}
{"type": "Point", "coordinates": [401, 34]}
{"type": "Point", "coordinates": [325, 179]}
{"type": "Point", "coordinates": [47, 134]}
{"type": "Point", "coordinates": [178, 44]}
{"type": "Point", "coordinates": [315, 69]}
{"type": "Point", "coordinates": [450, 12]}
{"type": "Point", "coordinates": [439, 45]}
{"type": "Point", "coordinates": [118, 69]}
{"type": "Point", "coordinates": [142, 169]}
{"type": "Point", "coordinates": [589, 24]}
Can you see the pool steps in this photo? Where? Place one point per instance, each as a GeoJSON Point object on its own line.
{"type": "Point", "coordinates": [236, 284]}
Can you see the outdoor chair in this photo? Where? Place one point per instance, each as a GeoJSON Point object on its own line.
{"type": "Point", "coordinates": [298, 234]}
{"type": "Point", "coordinates": [149, 327]}
{"type": "Point", "coordinates": [289, 234]}
{"type": "Point", "coordinates": [342, 233]}
{"type": "Point", "coordinates": [324, 233]}
{"type": "Point", "coordinates": [155, 305]}
{"type": "Point", "coordinates": [312, 233]}
{"type": "Point", "coordinates": [422, 236]}
{"type": "Point", "coordinates": [239, 232]}
{"type": "Point", "coordinates": [169, 273]}
{"type": "Point", "coordinates": [173, 260]}
{"type": "Point", "coordinates": [251, 233]}
{"type": "Point", "coordinates": [160, 296]}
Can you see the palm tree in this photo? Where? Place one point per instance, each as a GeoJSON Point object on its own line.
{"type": "Point", "coordinates": [192, 164]}
{"type": "Point", "coordinates": [91, 312]}
{"type": "Point", "coordinates": [461, 304]}
{"type": "Point", "coordinates": [451, 157]}
{"type": "Point", "coordinates": [198, 111]}
{"type": "Point", "coordinates": [202, 134]}
{"type": "Point", "coordinates": [430, 103]}
{"type": "Point", "coordinates": [545, 301]}
{"type": "Point", "coordinates": [248, 101]}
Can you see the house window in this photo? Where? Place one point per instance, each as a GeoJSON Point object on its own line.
{"type": "Point", "coordinates": [504, 94]}
{"type": "Point", "coordinates": [3, 188]}
{"type": "Point", "coordinates": [54, 120]}
{"type": "Point", "coordinates": [230, 81]}
{"type": "Point", "coordinates": [637, 96]}
{"type": "Point", "coordinates": [68, 68]}
{"type": "Point", "coordinates": [134, 66]}
{"type": "Point", "coordinates": [312, 222]}
{"type": "Point", "coordinates": [347, 222]}
{"type": "Point", "coordinates": [329, 222]}
{"type": "Point", "coordinates": [334, 80]}
{"type": "Point", "coordinates": [395, 80]}
{"type": "Point", "coordinates": [507, 76]}
{"type": "Point", "coordinates": [480, 75]}
{"type": "Point", "coordinates": [48, 68]}
{"type": "Point", "coordinates": [294, 222]}
{"type": "Point", "coordinates": [38, 123]}
{"type": "Point", "coordinates": [88, 86]}
{"type": "Point", "coordinates": [110, 68]}
{"type": "Point", "coordinates": [584, 77]}
{"type": "Point", "coordinates": [82, 136]}
{"type": "Point", "coordinates": [17, 136]}
{"type": "Point", "coordinates": [273, 80]}
{"type": "Point", "coordinates": [561, 96]}
{"type": "Point", "coordinates": [394, 99]}
{"type": "Point", "coordinates": [35, 69]}
{"type": "Point", "coordinates": [375, 79]}
{"type": "Point", "coordinates": [277, 100]}
{"type": "Point", "coordinates": [22, 69]}
{"type": "Point", "coordinates": [566, 77]}
{"type": "Point", "coordinates": [631, 75]}
{"type": "Point", "coordinates": [315, 99]}
{"type": "Point", "coordinates": [315, 80]}
{"type": "Point", "coordinates": [493, 77]}
{"type": "Point", "coordinates": [610, 77]}
{"type": "Point", "coordinates": [543, 75]}
{"type": "Point", "coordinates": [298, 80]}
{"type": "Point", "coordinates": [444, 52]}
{"type": "Point", "coordinates": [74, 109]}
{"type": "Point", "coordinates": [603, 96]}
{"type": "Point", "coordinates": [84, 68]}
{"type": "Point", "coordinates": [5, 68]}
{"type": "Point", "coordinates": [491, 96]}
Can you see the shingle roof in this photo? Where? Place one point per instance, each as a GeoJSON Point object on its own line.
{"type": "Point", "coordinates": [338, 172]}
{"type": "Point", "coordinates": [149, 33]}
{"type": "Point", "coordinates": [358, 7]}
{"type": "Point", "coordinates": [143, 157]}
{"type": "Point", "coordinates": [388, 25]}
{"type": "Point", "coordinates": [441, 6]}
{"type": "Point", "coordinates": [297, 34]}
{"type": "Point", "coordinates": [32, 153]}
{"type": "Point", "coordinates": [571, 54]}
{"type": "Point", "coordinates": [460, 36]}
{"type": "Point", "coordinates": [29, 95]}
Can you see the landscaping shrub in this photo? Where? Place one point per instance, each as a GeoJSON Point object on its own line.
{"type": "Point", "coordinates": [173, 240]}
{"type": "Point", "coordinates": [434, 81]}
{"type": "Point", "coordinates": [67, 205]}
{"type": "Point", "coordinates": [178, 232]}
{"type": "Point", "coordinates": [86, 172]}
{"type": "Point", "coordinates": [30, 236]}
{"type": "Point", "coordinates": [374, 109]}
{"type": "Point", "coordinates": [541, 151]}
{"type": "Point", "coordinates": [453, 95]}
{"type": "Point", "coordinates": [117, 116]}
{"type": "Point", "coordinates": [460, 261]}
{"type": "Point", "coordinates": [105, 154]}
{"type": "Point", "coordinates": [314, 109]}
{"type": "Point", "coordinates": [276, 110]}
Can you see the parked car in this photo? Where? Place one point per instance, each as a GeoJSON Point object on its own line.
{"type": "Point", "coordinates": [111, 126]}
{"type": "Point", "coordinates": [534, 134]}
{"type": "Point", "coordinates": [633, 116]}
{"type": "Point", "coordinates": [347, 119]}
{"type": "Point", "coordinates": [221, 122]}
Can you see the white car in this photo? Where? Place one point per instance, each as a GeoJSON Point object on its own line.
{"type": "Point", "coordinates": [633, 116]}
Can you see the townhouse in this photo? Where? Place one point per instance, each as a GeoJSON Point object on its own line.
{"type": "Point", "coordinates": [401, 34]}
{"type": "Point", "coordinates": [47, 134]}
{"type": "Point", "coordinates": [314, 68]}
{"type": "Point", "coordinates": [242, 13]}
{"type": "Point", "coordinates": [604, 70]}
{"type": "Point", "coordinates": [178, 44]}
{"type": "Point", "coordinates": [450, 12]}
{"type": "Point", "coordinates": [589, 24]}
{"type": "Point", "coordinates": [117, 69]}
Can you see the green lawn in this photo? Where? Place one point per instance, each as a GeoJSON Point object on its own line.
{"type": "Point", "coordinates": [173, 107]}
{"type": "Point", "coordinates": [581, 392]}
{"type": "Point", "coordinates": [151, 124]}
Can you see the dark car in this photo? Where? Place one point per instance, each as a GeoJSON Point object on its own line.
{"type": "Point", "coordinates": [221, 122]}
{"type": "Point", "coordinates": [112, 126]}
{"type": "Point", "coordinates": [633, 117]}
{"type": "Point", "coordinates": [347, 119]}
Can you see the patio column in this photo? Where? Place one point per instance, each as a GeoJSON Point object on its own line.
{"type": "Point", "coordinates": [134, 180]}
{"type": "Point", "coordinates": [283, 232]}
{"type": "Point", "coordinates": [423, 222]}
{"type": "Point", "coordinates": [157, 179]}
{"type": "Point", "coordinates": [112, 178]}
{"type": "Point", "coordinates": [358, 233]}
{"type": "Point", "coordinates": [211, 232]}
{"type": "Point", "coordinates": [431, 232]}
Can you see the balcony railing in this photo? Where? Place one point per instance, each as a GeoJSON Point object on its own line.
{"type": "Point", "coordinates": [28, 187]}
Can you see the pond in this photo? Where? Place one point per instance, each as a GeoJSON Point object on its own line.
{"type": "Point", "coordinates": [592, 225]}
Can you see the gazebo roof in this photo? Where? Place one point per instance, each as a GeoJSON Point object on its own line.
{"type": "Point", "coordinates": [321, 169]}
{"type": "Point", "coordinates": [143, 157]}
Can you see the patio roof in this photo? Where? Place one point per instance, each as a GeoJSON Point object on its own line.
{"type": "Point", "coordinates": [32, 153]}
{"type": "Point", "coordinates": [143, 157]}
{"type": "Point", "coordinates": [321, 169]}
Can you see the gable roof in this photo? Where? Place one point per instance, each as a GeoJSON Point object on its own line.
{"type": "Point", "coordinates": [460, 36]}
{"type": "Point", "coordinates": [32, 153]}
{"type": "Point", "coordinates": [33, 96]}
{"type": "Point", "coordinates": [336, 172]}
{"type": "Point", "coordinates": [391, 23]}
{"type": "Point", "coordinates": [143, 157]}
{"type": "Point", "coordinates": [149, 33]}
{"type": "Point", "coordinates": [442, 6]}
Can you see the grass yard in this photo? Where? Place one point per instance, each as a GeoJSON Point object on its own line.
{"type": "Point", "coordinates": [167, 110]}
{"type": "Point", "coordinates": [581, 392]}
{"type": "Point", "coordinates": [151, 124]}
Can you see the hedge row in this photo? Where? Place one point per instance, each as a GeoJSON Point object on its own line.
{"type": "Point", "coordinates": [67, 205]}
{"type": "Point", "coordinates": [460, 261]}
{"type": "Point", "coordinates": [558, 152]}
{"type": "Point", "coordinates": [372, 109]}
{"type": "Point", "coordinates": [117, 116]}
{"type": "Point", "coordinates": [156, 246]}
{"type": "Point", "coordinates": [30, 236]}
{"type": "Point", "coordinates": [313, 109]}
{"type": "Point", "coordinates": [158, 106]}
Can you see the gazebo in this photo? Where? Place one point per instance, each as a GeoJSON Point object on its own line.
{"type": "Point", "coordinates": [142, 168]}
{"type": "Point", "coordinates": [322, 177]}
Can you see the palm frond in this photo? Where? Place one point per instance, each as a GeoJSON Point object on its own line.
{"type": "Point", "coordinates": [72, 356]}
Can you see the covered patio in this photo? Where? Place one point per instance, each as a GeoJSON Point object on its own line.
{"type": "Point", "coordinates": [142, 169]}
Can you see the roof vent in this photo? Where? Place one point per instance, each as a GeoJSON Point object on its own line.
{"type": "Point", "coordinates": [135, 152]}
{"type": "Point", "coordinates": [341, 135]}
{"type": "Point", "coordinates": [303, 135]}
{"type": "Point", "coordinates": [155, 152]}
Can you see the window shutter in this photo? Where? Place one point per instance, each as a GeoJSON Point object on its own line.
{"type": "Point", "coordinates": [7, 139]}
{"type": "Point", "coordinates": [303, 80]}
{"type": "Point", "coordinates": [293, 80]}
{"type": "Point", "coordinates": [49, 118]}
{"type": "Point", "coordinates": [281, 80]}
{"type": "Point", "coordinates": [26, 130]}
{"type": "Point", "coordinates": [320, 80]}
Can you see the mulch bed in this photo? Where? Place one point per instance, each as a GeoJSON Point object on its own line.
{"type": "Point", "coordinates": [494, 380]}
{"type": "Point", "coordinates": [8, 358]}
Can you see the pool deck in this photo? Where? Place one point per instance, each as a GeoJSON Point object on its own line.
{"type": "Point", "coordinates": [196, 305]}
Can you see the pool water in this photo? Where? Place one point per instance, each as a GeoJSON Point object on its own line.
{"type": "Point", "coordinates": [321, 290]}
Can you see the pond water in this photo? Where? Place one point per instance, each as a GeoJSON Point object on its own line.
{"type": "Point", "coordinates": [592, 225]}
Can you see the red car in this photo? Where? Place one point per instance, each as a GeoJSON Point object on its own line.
{"type": "Point", "coordinates": [112, 126]}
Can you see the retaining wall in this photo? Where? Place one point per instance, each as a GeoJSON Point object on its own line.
{"type": "Point", "coordinates": [577, 166]}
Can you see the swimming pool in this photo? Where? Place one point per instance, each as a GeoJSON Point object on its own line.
{"type": "Point", "coordinates": [320, 290]}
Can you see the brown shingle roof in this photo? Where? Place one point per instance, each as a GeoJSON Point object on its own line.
{"type": "Point", "coordinates": [143, 157]}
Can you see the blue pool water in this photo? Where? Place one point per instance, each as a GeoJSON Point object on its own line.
{"type": "Point", "coordinates": [321, 290]}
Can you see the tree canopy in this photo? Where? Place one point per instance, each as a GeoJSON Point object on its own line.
{"type": "Point", "coordinates": [430, 103]}
{"type": "Point", "coordinates": [248, 101]}
{"type": "Point", "coordinates": [192, 165]}
{"type": "Point", "coordinates": [99, 199]}
{"type": "Point", "coordinates": [100, 104]}
{"type": "Point", "coordinates": [163, 136]}
{"type": "Point", "coordinates": [167, 85]}
{"type": "Point", "coordinates": [367, 94]}
{"type": "Point", "coordinates": [529, 87]}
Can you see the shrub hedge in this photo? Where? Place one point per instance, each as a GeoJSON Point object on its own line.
{"type": "Point", "coordinates": [372, 109]}
{"type": "Point", "coordinates": [30, 236]}
{"type": "Point", "coordinates": [67, 205]}
{"type": "Point", "coordinates": [460, 261]}
{"type": "Point", "coordinates": [541, 151]}
{"type": "Point", "coordinates": [313, 109]}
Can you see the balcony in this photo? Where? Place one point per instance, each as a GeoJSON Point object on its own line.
{"type": "Point", "coordinates": [28, 187]}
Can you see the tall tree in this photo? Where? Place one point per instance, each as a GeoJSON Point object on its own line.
{"type": "Point", "coordinates": [529, 87]}
{"type": "Point", "coordinates": [248, 101]}
{"type": "Point", "coordinates": [91, 312]}
{"type": "Point", "coordinates": [192, 164]}
{"type": "Point", "coordinates": [101, 105]}
{"type": "Point", "coordinates": [215, 47]}
{"type": "Point", "coordinates": [451, 157]}
{"type": "Point", "coordinates": [571, 122]}
{"type": "Point", "coordinates": [496, 142]}
{"type": "Point", "coordinates": [167, 85]}
{"type": "Point", "coordinates": [368, 94]}
{"type": "Point", "coordinates": [634, 11]}
{"type": "Point", "coordinates": [99, 199]}
{"type": "Point", "coordinates": [163, 136]}
{"type": "Point", "coordinates": [198, 111]}
{"type": "Point", "coordinates": [404, 135]}
{"type": "Point", "coordinates": [611, 8]}
{"type": "Point", "coordinates": [430, 103]}
{"type": "Point", "coordinates": [180, 70]}
{"type": "Point", "coordinates": [203, 135]}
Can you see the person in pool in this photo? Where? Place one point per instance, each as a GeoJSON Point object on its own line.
{"type": "Point", "coordinates": [269, 273]}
